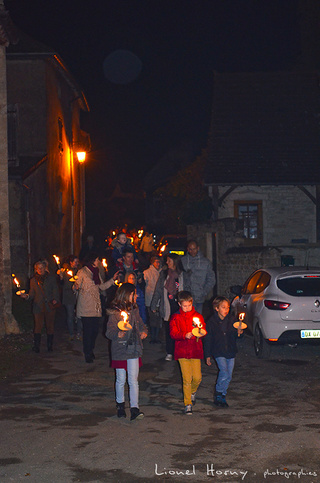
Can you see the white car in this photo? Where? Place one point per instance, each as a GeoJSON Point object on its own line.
{"type": "Point", "coordinates": [281, 306]}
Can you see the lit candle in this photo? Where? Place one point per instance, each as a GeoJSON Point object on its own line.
{"type": "Point", "coordinates": [15, 280]}
{"type": "Point", "coordinates": [104, 263]}
{"type": "Point", "coordinates": [57, 260]}
{"type": "Point", "coordinates": [241, 317]}
{"type": "Point", "coordinates": [123, 324]}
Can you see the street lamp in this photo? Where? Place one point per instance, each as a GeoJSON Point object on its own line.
{"type": "Point", "coordinates": [81, 155]}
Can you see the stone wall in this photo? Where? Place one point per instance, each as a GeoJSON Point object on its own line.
{"type": "Point", "coordinates": [288, 214]}
{"type": "Point", "coordinates": [7, 322]}
{"type": "Point", "coordinates": [222, 243]}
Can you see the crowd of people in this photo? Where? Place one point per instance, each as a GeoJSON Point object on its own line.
{"type": "Point", "coordinates": [137, 292]}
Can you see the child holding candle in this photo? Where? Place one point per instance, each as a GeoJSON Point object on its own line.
{"type": "Point", "coordinates": [221, 344]}
{"type": "Point", "coordinates": [188, 348]}
{"type": "Point", "coordinates": [126, 348]}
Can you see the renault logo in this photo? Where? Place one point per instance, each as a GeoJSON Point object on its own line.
{"type": "Point", "coordinates": [317, 303]}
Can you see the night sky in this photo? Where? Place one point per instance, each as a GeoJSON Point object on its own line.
{"type": "Point", "coordinates": [164, 98]}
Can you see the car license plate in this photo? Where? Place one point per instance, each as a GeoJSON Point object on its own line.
{"type": "Point", "coordinates": [310, 334]}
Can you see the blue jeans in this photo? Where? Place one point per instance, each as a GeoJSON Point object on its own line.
{"type": "Point", "coordinates": [225, 374]}
{"type": "Point", "coordinates": [121, 376]}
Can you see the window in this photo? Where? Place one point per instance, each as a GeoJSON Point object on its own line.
{"type": "Point", "coordinates": [12, 135]}
{"type": "Point", "coordinates": [257, 283]}
{"type": "Point", "coordinates": [300, 286]}
{"type": "Point", "coordinates": [251, 283]}
{"type": "Point", "coordinates": [250, 213]}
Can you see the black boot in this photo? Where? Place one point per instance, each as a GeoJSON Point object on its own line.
{"type": "Point", "coordinates": [136, 414]}
{"type": "Point", "coordinates": [121, 411]}
{"type": "Point", "coordinates": [218, 399]}
{"type": "Point", "coordinates": [36, 343]}
{"type": "Point", "coordinates": [49, 342]}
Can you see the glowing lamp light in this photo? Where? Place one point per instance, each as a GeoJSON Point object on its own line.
{"type": "Point", "coordinates": [81, 155]}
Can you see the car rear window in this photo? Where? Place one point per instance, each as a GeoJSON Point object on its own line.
{"type": "Point", "coordinates": [300, 286]}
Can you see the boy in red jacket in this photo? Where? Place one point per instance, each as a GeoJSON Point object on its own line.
{"type": "Point", "coordinates": [188, 348]}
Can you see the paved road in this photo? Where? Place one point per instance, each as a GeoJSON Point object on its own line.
{"type": "Point", "coordinates": [59, 423]}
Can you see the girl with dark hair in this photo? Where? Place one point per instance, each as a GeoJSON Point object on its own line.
{"type": "Point", "coordinates": [126, 347]}
{"type": "Point", "coordinates": [89, 284]}
{"type": "Point", "coordinates": [131, 277]}
{"type": "Point", "coordinates": [171, 280]}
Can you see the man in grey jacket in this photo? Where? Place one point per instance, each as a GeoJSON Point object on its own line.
{"type": "Point", "coordinates": [202, 276]}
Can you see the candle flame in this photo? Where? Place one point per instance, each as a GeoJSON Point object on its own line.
{"type": "Point", "coordinates": [69, 272]}
{"type": "Point", "coordinates": [196, 322]}
{"type": "Point", "coordinates": [57, 259]}
{"type": "Point", "coordinates": [162, 249]}
{"type": "Point", "coordinates": [104, 263]}
{"type": "Point", "coordinates": [16, 281]}
{"type": "Point", "coordinates": [116, 282]}
{"type": "Point", "coordinates": [241, 316]}
{"type": "Point", "coordinates": [124, 315]}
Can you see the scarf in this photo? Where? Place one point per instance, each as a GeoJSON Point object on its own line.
{"type": "Point", "coordinates": [95, 274]}
{"type": "Point", "coordinates": [40, 279]}
{"type": "Point", "coordinates": [170, 283]}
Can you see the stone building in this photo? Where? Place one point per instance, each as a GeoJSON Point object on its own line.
{"type": "Point", "coordinates": [7, 323]}
{"type": "Point", "coordinates": [46, 180]}
{"type": "Point", "coordinates": [262, 174]}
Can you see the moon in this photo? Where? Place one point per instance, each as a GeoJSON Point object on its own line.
{"type": "Point", "coordinates": [122, 67]}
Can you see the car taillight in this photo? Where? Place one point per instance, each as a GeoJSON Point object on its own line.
{"type": "Point", "coordinates": [274, 305]}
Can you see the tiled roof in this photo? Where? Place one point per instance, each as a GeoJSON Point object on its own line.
{"type": "Point", "coordinates": [265, 129]}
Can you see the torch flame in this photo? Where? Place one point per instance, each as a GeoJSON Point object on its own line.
{"type": "Point", "coordinates": [124, 315]}
{"type": "Point", "coordinates": [162, 249]}
{"type": "Point", "coordinates": [57, 259]}
{"type": "Point", "coordinates": [104, 263]}
{"type": "Point", "coordinates": [16, 281]}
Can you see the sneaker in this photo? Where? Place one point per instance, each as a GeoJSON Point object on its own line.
{"type": "Point", "coordinates": [188, 409]}
{"type": "Point", "coordinates": [218, 400]}
{"type": "Point", "coordinates": [193, 398]}
{"type": "Point", "coordinates": [224, 401]}
{"type": "Point", "coordinates": [168, 357]}
{"type": "Point", "coordinates": [136, 414]}
{"type": "Point", "coordinates": [121, 413]}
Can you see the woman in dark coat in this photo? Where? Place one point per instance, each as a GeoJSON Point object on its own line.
{"type": "Point", "coordinates": [44, 293]}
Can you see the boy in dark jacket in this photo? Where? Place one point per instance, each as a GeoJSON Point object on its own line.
{"type": "Point", "coordinates": [188, 348]}
{"type": "Point", "coordinates": [221, 344]}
